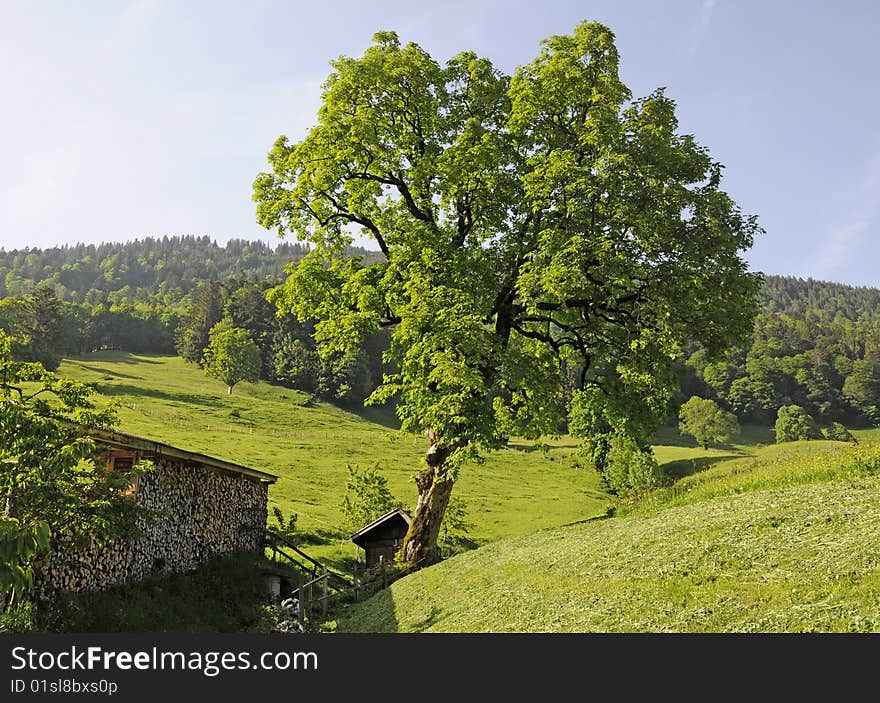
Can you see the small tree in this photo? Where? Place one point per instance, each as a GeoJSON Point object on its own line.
{"type": "Point", "coordinates": [284, 526]}
{"type": "Point", "coordinates": [455, 526]}
{"type": "Point", "coordinates": [707, 422]}
{"type": "Point", "coordinates": [794, 423]}
{"type": "Point", "coordinates": [367, 496]}
{"type": "Point", "coordinates": [862, 386]}
{"type": "Point", "coordinates": [54, 488]}
{"type": "Point", "coordinates": [231, 355]}
{"type": "Point", "coordinates": [627, 468]}
{"type": "Point", "coordinates": [294, 363]}
{"type": "Point", "coordinates": [40, 328]}
{"type": "Point", "coordinates": [206, 311]}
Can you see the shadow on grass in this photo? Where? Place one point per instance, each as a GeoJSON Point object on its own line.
{"type": "Point", "coordinates": [429, 620]}
{"type": "Point", "coordinates": [750, 435]}
{"type": "Point", "coordinates": [610, 511]}
{"type": "Point", "coordinates": [104, 372]}
{"type": "Point", "coordinates": [117, 389]}
{"type": "Point", "coordinates": [685, 467]}
{"type": "Point", "coordinates": [458, 545]}
{"type": "Point", "coordinates": [319, 536]}
{"type": "Point", "coordinates": [376, 614]}
{"type": "Point", "coordinates": [524, 446]}
{"type": "Point", "coordinates": [383, 415]}
{"type": "Point", "coordinates": [671, 437]}
{"type": "Point", "coordinates": [119, 357]}
{"type": "Point", "coordinates": [129, 358]}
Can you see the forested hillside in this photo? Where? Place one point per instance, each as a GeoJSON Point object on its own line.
{"type": "Point", "coordinates": [815, 344]}
{"type": "Point", "coordinates": [805, 298]}
{"type": "Point", "coordinates": [164, 295]}
{"type": "Point", "coordinates": [165, 269]}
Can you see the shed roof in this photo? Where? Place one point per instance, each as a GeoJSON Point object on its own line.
{"type": "Point", "coordinates": [152, 448]}
{"type": "Point", "coordinates": [396, 514]}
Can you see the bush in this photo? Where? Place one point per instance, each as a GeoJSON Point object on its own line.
{"type": "Point", "coordinates": [838, 433]}
{"type": "Point", "coordinates": [367, 496]}
{"type": "Point", "coordinates": [286, 527]}
{"type": "Point", "coordinates": [707, 422]}
{"type": "Point", "coordinates": [629, 469]}
{"type": "Point", "coordinates": [794, 423]}
{"type": "Point", "coordinates": [455, 528]}
{"type": "Point", "coordinates": [227, 594]}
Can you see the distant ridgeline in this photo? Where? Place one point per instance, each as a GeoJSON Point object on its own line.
{"type": "Point", "coordinates": [815, 344]}
{"type": "Point", "coordinates": [166, 269]}
{"type": "Point", "coordinates": [796, 296]}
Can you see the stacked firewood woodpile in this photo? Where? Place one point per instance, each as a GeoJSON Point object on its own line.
{"type": "Point", "coordinates": [94, 566]}
{"type": "Point", "coordinates": [200, 513]}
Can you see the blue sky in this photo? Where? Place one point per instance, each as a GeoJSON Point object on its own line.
{"type": "Point", "coordinates": [122, 120]}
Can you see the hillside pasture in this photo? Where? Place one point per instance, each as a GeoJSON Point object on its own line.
{"type": "Point", "coordinates": [308, 445]}
{"type": "Point", "coordinates": [787, 541]}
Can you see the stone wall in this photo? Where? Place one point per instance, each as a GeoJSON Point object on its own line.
{"type": "Point", "coordinates": [201, 514]}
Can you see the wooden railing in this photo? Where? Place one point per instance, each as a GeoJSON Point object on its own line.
{"type": "Point", "coordinates": [323, 585]}
{"type": "Point", "coordinates": [318, 592]}
{"type": "Point", "coordinates": [281, 546]}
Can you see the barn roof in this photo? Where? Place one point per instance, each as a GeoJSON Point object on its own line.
{"type": "Point", "coordinates": [154, 449]}
{"type": "Point", "coordinates": [391, 515]}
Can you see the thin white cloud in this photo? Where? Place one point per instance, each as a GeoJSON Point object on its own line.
{"type": "Point", "coordinates": [845, 239]}
{"type": "Point", "coordinates": [702, 27]}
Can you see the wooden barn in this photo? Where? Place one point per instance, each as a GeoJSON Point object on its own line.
{"type": "Point", "coordinates": [383, 537]}
{"type": "Point", "coordinates": [206, 507]}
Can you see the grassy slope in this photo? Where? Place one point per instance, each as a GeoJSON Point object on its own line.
{"type": "Point", "coordinates": [786, 541]}
{"type": "Point", "coordinates": [739, 546]}
{"type": "Point", "coordinates": [274, 429]}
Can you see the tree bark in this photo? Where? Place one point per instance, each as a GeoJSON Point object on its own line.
{"type": "Point", "coordinates": [10, 509]}
{"type": "Point", "coordinates": [420, 543]}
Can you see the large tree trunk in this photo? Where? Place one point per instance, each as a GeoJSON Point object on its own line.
{"type": "Point", "coordinates": [420, 543]}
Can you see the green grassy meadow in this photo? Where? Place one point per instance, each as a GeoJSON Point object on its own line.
{"type": "Point", "coordinates": [786, 541]}
{"type": "Point", "coordinates": [752, 536]}
{"type": "Point", "coordinates": [274, 429]}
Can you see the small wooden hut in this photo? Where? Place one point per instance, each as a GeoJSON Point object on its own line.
{"type": "Point", "coordinates": [383, 537]}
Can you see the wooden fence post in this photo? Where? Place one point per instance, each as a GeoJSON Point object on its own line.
{"type": "Point", "coordinates": [382, 568]}
{"type": "Point", "coordinates": [356, 598]}
{"type": "Point", "coordinates": [325, 594]}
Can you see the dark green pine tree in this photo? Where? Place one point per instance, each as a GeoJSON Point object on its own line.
{"type": "Point", "coordinates": [42, 328]}
{"type": "Point", "coordinates": [195, 327]}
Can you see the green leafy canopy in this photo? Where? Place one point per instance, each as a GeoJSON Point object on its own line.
{"type": "Point", "coordinates": [529, 223]}
{"type": "Point", "coordinates": [231, 355]}
{"type": "Point", "coordinates": [57, 492]}
{"type": "Point", "coordinates": [707, 422]}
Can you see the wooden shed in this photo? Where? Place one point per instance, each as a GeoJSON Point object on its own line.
{"type": "Point", "coordinates": [383, 537]}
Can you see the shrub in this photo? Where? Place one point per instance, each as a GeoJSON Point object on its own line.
{"type": "Point", "coordinates": [838, 433]}
{"type": "Point", "coordinates": [455, 527]}
{"type": "Point", "coordinates": [286, 527]}
{"type": "Point", "coordinates": [367, 496]}
{"type": "Point", "coordinates": [707, 422]}
{"type": "Point", "coordinates": [794, 423]}
{"type": "Point", "coordinates": [629, 469]}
